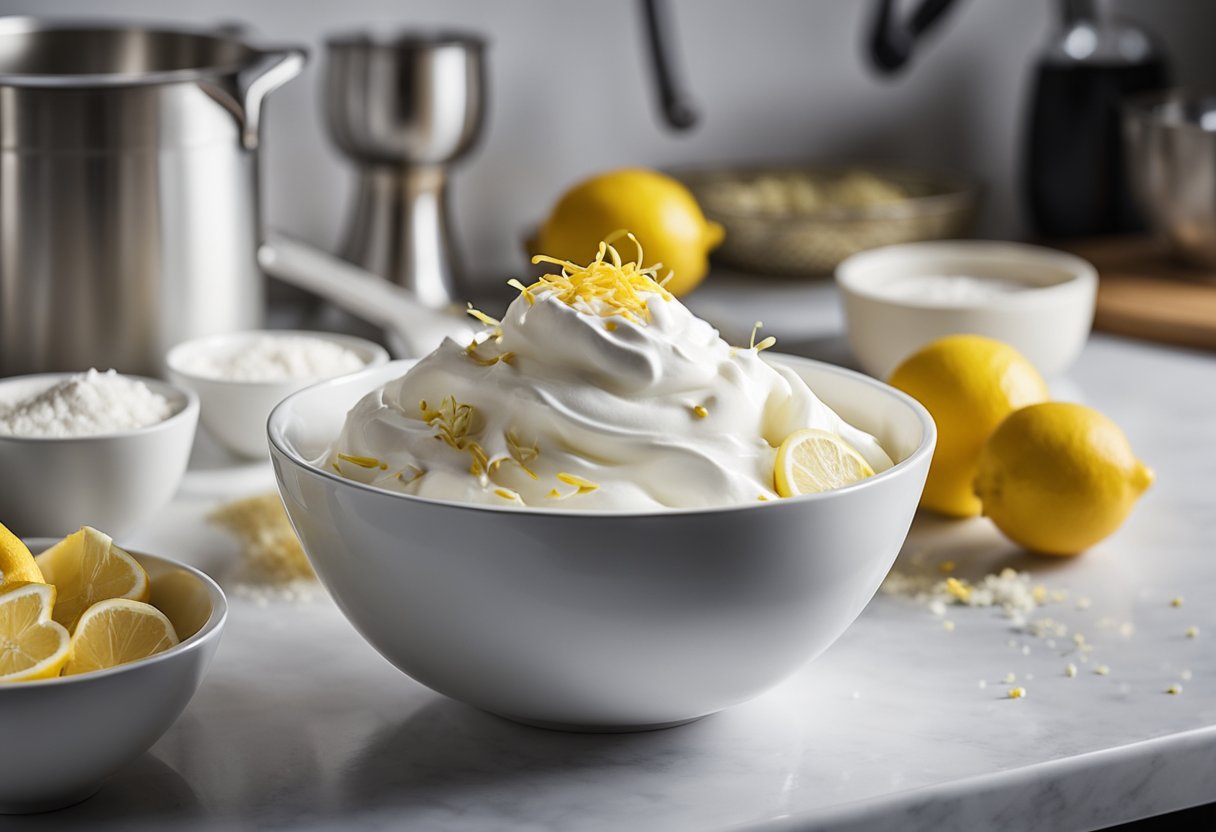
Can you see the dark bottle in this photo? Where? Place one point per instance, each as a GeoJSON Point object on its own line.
{"type": "Point", "coordinates": [1075, 180]}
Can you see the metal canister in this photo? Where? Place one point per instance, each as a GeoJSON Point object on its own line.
{"type": "Point", "coordinates": [128, 190]}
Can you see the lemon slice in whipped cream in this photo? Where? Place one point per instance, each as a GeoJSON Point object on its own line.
{"type": "Point", "coordinates": [597, 391]}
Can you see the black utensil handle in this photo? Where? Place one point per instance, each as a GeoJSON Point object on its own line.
{"type": "Point", "coordinates": [677, 107]}
{"type": "Point", "coordinates": [892, 41]}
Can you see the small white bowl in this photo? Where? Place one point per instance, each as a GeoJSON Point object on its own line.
{"type": "Point", "coordinates": [1047, 322]}
{"type": "Point", "coordinates": [601, 620]}
{"type": "Point", "coordinates": [51, 486]}
{"type": "Point", "coordinates": [64, 736]}
{"type": "Point", "coordinates": [235, 412]}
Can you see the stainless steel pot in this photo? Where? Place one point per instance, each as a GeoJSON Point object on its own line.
{"type": "Point", "coordinates": [128, 190]}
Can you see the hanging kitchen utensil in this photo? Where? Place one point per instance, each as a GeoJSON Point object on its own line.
{"type": "Point", "coordinates": [893, 40]}
{"type": "Point", "coordinates": [128, 190]}
{"type": "Point", "coordinates": [674, 101]}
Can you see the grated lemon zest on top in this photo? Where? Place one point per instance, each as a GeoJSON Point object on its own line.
{"type": "Point", "coordinates": [452, 423]}
{"type": "Point", "coordinates": [700, 412]}
{"type": "Point", "coordinates": [362, 461]}
{"type": "Point", "coordinates": [584, 486]}
{"type": "Point", "coordinates": [471, 352]}
{"type": "Point", "coordinates": [482, 316]}
{"type": "Point", "coordinates": [617, 284]}
{"type": "Point", "coordinates": [523, 290]}
{"type": "Point", "coordinates": [416, 475]}
{"type": "Point", "coordinates": [521, 454]}
{"type": "Point", "coordinates": [763, 345]}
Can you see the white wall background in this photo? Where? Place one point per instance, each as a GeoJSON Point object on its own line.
{"type": "Point", "coordinates": [570, 93]}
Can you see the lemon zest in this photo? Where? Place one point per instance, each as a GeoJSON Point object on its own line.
{"type": "Point", "coordinates": [471, 352]}
{"type": "Point", "coordinates": [362, 461]}
{"type": "Point", "coordinates": [584, 486]}
{"type": "Point", "coordinates": [610, 326]}
{"type": "Point", "coordinates": [700, 412]}
{"type": "Point", "coordinates": [508, 494]}
{"type": "Point", "coordinates": [958, 589]}
{"type": "Point", "coordinates": [415, 470]}
{"type": "Point", "coordinates": [521, 454]}
{"type": "Point", "coordinates": [618, 285]}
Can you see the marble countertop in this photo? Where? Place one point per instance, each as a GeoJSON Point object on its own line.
{"type": "Point", "coordinates": [903, 724]}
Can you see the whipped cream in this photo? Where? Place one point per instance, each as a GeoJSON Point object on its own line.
{"type": "Point", "coordinates": [575, 402]}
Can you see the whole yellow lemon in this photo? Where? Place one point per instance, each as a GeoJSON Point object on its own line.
{"type": "Point", "coordinates": [969, 384]}
{"type": "Point", "coordinates": [1059, 477]}
{"type": "Point", "coordinates": [660, 211]}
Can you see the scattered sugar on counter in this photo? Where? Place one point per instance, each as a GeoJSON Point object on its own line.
{"type": "Point", "coordinates": [279, 358]}
{"type": "Point", "coordinates": [87, 404]}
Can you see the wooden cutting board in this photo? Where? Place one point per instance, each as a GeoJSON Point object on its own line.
{"type": "Point", "coordinates": [1143, 292]}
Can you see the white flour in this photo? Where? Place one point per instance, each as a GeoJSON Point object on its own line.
{"type": "Point", "coordinates": [85, 405]}
{"type": "Point", "coordinates": [279, 358]}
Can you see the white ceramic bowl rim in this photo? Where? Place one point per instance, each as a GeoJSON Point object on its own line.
{"type": "Point", "coordinates": [853, 273]}
{"type": "Point", "coordinates": [219, 614]}
{"type": "Point", "coordinates": [373, 354]}
{"type": "Point", "coordinates": [188, 407]}
{"type": "Point", "coordinates": [927, 442]}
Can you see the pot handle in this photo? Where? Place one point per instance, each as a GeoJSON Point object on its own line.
{"type": "Point", "coordinates": [362, 293]}
{"type": "Point", "coordinates": [269, 70]}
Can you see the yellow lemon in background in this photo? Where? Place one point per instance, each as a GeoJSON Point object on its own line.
{"type": "Point", "coordinates": [16, 562]}
{"type": "Point", "coordinates": [660, 211]}
{"type": "Point", "coordinates": [969, 384]}
{"type": "Point", "coordinates": [1059, 477]}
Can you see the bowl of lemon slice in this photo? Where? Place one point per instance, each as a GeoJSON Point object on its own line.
{"type": "Point", "coordinates": [100, 651]}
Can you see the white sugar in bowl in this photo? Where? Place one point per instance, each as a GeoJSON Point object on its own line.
{"type": "Point", "coordinates": [240, 376]}
{"type": "Point", "coordinates": [899, 298]}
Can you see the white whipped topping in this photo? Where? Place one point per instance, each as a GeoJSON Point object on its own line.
{"type": "Point", "coordinates": [663, 414]}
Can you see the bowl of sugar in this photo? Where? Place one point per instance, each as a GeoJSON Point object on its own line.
{"type": "Point", "coordinates": [240, 376]}
{"type": "Point", "coordinates": [98, 449]}
{"type": "Point", "coordinates": [899, 298]}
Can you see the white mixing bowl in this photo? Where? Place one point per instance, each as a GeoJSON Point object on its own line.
{"type": "Point", "coordinates": [601, 621]}
{"type": "Point", "coordinates": [63, 737]}
{"type": "Point", "coordinates": [52, 486]}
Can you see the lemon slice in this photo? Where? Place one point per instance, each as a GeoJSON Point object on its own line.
{"type": "Point", "coordinates": [32, 646]}
{"type": "Point", "coordinates": [16, 562]}
{"type": "Point", "coordinates": [86, 567]}
{"type": "Point", "coordinates": [117, 631]}
{"type": "Point", "coordinates": [813, 460]}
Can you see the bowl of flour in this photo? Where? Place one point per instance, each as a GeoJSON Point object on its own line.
{"type": "Point", "coordinates": [239, 377]}
{"type": "Point", "coordinates": [97, 448]}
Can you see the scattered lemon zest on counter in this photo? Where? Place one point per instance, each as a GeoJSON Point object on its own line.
{"type": "Point", "coordinates": [1039, 593]}
{"type": "Point", "coordinates": [362, 461]}
{"type": "Point", "coordinates": [1177, 602]}
{"type": "Point", "coordinates": [948, 626]}
{"type": "Point", "coordinates": [700, 412]}
{"type": "Point", "coordinates": [1070, 670]}
{"type": "Point", "coordinates": [958, 589]}
{"type": "Point", "coordinates": [618, 285]}
{"type": "Point", "coordinates": [1102, 670]}
{"type": "Point", "coordinates": [1017, 693]}
{"type": "Point", "coordinates": [1174, 689]}
{"type": "Point", "coordinates": [1192, 632]}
